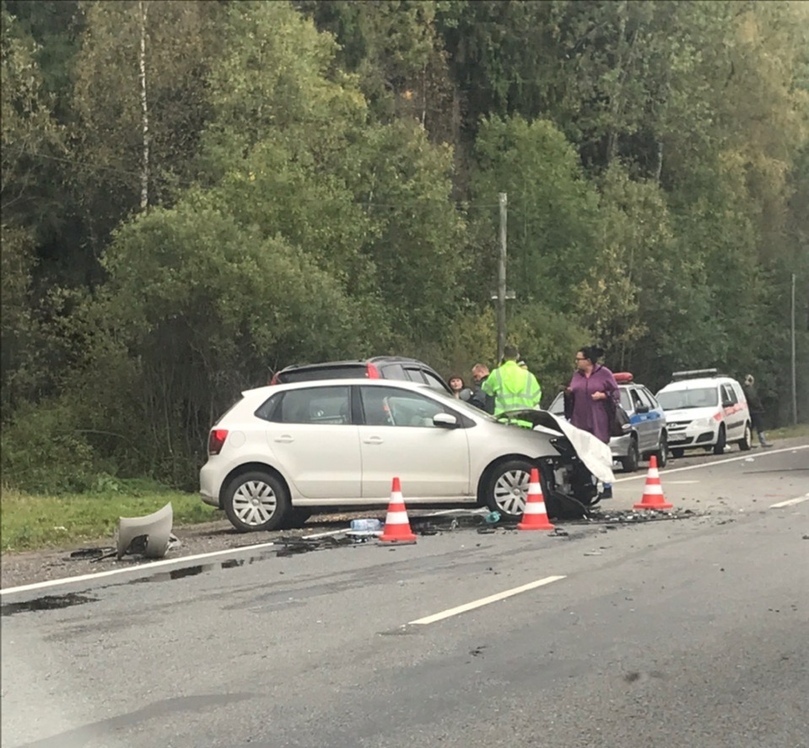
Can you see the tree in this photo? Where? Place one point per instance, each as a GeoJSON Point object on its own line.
{"type": "Point", "coordinates": [552, 209]}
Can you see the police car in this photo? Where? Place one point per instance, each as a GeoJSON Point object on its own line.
{"type": "Point", "coordinates": [705, 409]}
{"type": "Point", "coordinates": [647, 435]}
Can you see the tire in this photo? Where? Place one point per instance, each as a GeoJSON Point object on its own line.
{"type": "Point", "coordinates": [662, 454]}
{"type": "Point", "coordinates": [677, 452]}
{"type": "Point", "coordinates": [721, 441]}
{"type": "Point", "coordinates": [631, 461]}
{"type": "Point", "coordinates": [507, 488]}
{"type": "Point", "coordinates": [746, 442]}
{"type": "Point", "coordinates": [256, 501]}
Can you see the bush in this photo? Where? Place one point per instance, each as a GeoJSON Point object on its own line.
{"type": "Point", "coordinates": [42, 451]}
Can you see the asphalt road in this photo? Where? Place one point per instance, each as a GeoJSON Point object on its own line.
{"type": "Point", "coordinates": [690, 632]}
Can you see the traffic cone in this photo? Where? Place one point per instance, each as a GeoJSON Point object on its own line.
{"type": "Point", "coordinates": [535, 517]}
{"type": "Point", "coordinates": [653, 490]}
{"type": "Point", "coordinates": [397, 525]}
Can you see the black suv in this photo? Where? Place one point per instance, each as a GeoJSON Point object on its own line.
{"type": "Point", "coordinates": [378, 367]}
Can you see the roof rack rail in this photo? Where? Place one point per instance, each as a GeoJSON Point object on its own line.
{"type": "Point", "coordinates": [694, 373]}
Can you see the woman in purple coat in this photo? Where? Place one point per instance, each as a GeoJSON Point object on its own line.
{"type": "Point", "coordinates": [585, 397]}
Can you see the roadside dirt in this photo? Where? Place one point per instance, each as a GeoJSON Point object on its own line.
{"type": "Point", "coordinates": [38, 566]}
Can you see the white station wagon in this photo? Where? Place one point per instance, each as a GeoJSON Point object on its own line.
{"type": "Point", "coordinates": [705, 409]}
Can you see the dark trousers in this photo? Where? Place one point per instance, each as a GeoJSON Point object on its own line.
{"type": "Point", "coordinates": [758, 425]}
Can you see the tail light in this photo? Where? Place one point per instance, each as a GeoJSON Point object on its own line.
{"type": "Point", "coordinates": [216, 440]}
{"type": "Point", "coordinates": [372, 372]}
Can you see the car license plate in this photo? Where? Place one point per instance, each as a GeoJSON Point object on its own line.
{"type": "Point", "coordinates": [676, 438]}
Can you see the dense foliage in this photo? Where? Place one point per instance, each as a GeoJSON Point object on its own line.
{"type": "Point", "coordinates": [196, 193]}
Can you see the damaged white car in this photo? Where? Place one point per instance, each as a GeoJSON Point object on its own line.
{"type": "Point", "coordinates": [285, 450]}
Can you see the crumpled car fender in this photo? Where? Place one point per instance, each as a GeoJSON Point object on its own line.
{"type": "Point", "coordinates": [596, 455]}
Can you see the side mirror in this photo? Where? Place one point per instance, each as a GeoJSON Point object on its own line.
{"type": "Point", "coordinates": [445, 421]}
{"type": "Point", "coordinates": [642, 409]}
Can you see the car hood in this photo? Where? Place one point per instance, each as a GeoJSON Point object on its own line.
{"type": "Point", "coordinates": [596, 455]}
{"type": "Point", "coordinates": [691, 414]}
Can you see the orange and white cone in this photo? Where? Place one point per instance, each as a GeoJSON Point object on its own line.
{"type": "Point", "coordinates": [653, 490]}
{"type": "Point", "coordinates": [535, 517]}
{"type": "Point", "coordinates": [397, 525]}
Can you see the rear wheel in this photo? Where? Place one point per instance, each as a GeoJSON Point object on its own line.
{"type": "Point", "coordinates": [507, 488]}
{"type": "Point", "coordinates": [256, 501]}
{"type": "Point", "coordinates": [746, 442]}
{"type": "Point", "coordinates": [721, 441]}
{"type": "Point", "coordinates": [632, 459]}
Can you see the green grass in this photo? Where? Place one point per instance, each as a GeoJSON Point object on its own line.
{"type": "Point", "coordinates": [789, 432]}
{"type": "Point", "coordinates": [29, 522]}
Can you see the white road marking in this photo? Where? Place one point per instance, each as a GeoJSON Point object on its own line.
{"type": "Point", "coordinates": [139, 568]}
{"type": "Point", "coordinates": [483, 601]}
{"type": "Point", "coordinates": [324, 534]}
{"type": "Point", "coordinates": [790, 502]}
{"type": "Point", "coordinates": [680, 482]}
{"type": "Point", "coordinates": [663, 472]}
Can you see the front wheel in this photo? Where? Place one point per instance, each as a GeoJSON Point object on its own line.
{"type": "Point", "coordinates": [662, 453]}
{"type": "Point", "coordinates": [721, 442]}
{"type": "Point", "coordinates": [632, 459]}
{"type": "Point", "coordinates": [746, 442]}
{"type": "Point", "coordinates": [507, 488]}
{"type": "Point", "coordinates": [256, 501]}
{"type": "Point", "coordinates": [677, 452]}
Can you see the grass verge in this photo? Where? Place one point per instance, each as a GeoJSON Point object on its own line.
{"type": "Point", "coordinates": [29, 522]}
{"type": "Point", "coordinates": [789, 432]}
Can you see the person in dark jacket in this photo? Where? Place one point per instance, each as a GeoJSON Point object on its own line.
{"type": "Point", "coordinates": [478, 398]}
{"type": "Point", "coordinates": [756, 409]}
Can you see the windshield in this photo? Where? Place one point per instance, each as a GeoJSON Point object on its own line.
{"type": "Point", "coordinates": [700, 397]}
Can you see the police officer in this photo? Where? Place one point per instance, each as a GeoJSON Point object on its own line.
{"type": "Point", "coordinates": [513, 387]}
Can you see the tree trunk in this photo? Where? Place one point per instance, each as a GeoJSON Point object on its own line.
{"type": "Point", "coordinates": [659, 171]}
{"type": "Point", "coordinates": [144, 174]}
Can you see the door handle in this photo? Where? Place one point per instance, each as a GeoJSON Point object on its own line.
{"type": "Point", "coordinates": [284, 439]}
{"type": "Point", "coordinates": [373, 440]}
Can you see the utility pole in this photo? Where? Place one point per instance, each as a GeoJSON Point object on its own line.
{"type": "Point", "coordinates": [501, 278]}
{"type": "Point", "coordinates": [794, 362]}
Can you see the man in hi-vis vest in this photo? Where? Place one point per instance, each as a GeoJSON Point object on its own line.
{"type": "Point", "coordinates": [513, 387]}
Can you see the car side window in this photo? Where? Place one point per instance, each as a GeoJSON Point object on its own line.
{"type": "Point", "coordinates": [388, 406]}
{"type": "Point", "coordinates": [636, 400]}
{"type": "Point", "coordinates": [313, 405]}
{"type": "Point", "coordinates": [728, 395]}
{"type": "Point", "coordinates": [414, 375]}
{"type": "Point", "coordinates": [265, 410]}
{"type": "Point", "coordinates": [434, 381]}
{"type": "Point", "coordinates": [394, 371]}
{"type": "Point", "coordinates": [626, 400]}
{"type": "Point", "coordinates": [647, 399]}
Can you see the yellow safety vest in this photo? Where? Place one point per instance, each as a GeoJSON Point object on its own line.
{"type": "Point", "coordinates": [513, 388]}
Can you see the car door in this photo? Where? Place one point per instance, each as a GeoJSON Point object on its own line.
{"type": "Point", "coordinates": [638, 417]}
{"type": "Point", "coordinates": [656, 419]}
{"type": "Point", "coordinates": [734, 417]}
{"type": "Point", "coordinates": [314, 442]}
{"type": "Point", "coordinates": [399, 439]}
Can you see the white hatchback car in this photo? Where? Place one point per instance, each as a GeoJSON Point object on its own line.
{"type": "Point", "coordinates": [704, 409]}
{"type": "Point", "coordinates": [337, 443]}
